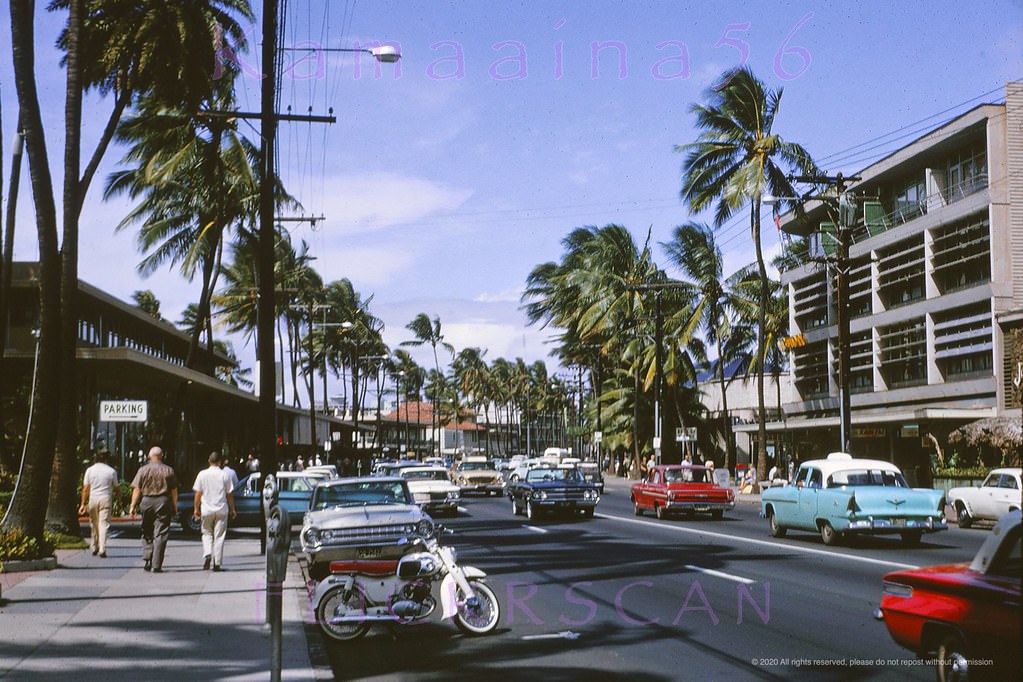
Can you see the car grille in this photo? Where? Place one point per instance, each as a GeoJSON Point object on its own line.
{"type": "Point", "coordinates": [376, 535]}
{"type": "Point", "coordinates": [438, 497]}
{"type": "Point", "coordinates": [477, 480]}
{"type": "Point", "coordinates": [564, 494]}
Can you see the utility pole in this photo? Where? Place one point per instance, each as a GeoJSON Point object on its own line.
{"type": "Point", "coordinates": [843, 236]}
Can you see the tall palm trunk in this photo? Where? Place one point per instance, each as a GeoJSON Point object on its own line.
{"type": "Point", "coordinates": [7, 461]}
{"type": "Point", "coordinates": [28, 507]}
{"type": "Point", "coordinates": [61, 511]}
{"type": "Point", "coordinates": [761, 462]}
{"type": "Point", "coordinates": [726, 419]}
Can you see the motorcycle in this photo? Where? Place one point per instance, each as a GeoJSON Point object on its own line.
{"type": "Point", "coordinates": [359, 593]}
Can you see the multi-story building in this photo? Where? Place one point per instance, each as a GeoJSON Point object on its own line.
{"type": "Point", "coordinates": [935, 283]}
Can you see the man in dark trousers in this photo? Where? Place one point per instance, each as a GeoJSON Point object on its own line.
{"type": "Point", "coordinates": [156, 485]}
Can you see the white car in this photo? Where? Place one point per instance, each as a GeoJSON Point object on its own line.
{"type": "Point", "coordinates": [997, 495]}
{"type": "Point", "coordinates": [432, 489]}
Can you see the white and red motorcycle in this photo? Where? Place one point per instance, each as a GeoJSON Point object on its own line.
{"type": "Point", "coordinates": [359, 593]}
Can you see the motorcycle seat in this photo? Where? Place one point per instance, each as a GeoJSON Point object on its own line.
{"type": "Point", "coordinates": [365, 567]}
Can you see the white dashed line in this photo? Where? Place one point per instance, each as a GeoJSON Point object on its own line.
{"type": "Point", "coordinates": [719, 574]}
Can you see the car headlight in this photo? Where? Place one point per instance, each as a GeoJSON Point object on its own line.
{"type": "Point", "coordinates": [311, 536]}
{"type": "Point", "coordinates": [425, 528]}
{"type": "Point", "coordinates": [453, 495]}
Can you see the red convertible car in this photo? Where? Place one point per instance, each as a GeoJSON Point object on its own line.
{"type": "Point", "coordinates": [966, 615]}
{"type": "Point", "coordinates": [681, 488]}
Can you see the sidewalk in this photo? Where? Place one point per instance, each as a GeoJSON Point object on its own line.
{"type": "Point", "coordinates": [107, 619]}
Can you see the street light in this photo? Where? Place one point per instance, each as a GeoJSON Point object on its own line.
{"type": "Point", "coordinates": [846, 218]}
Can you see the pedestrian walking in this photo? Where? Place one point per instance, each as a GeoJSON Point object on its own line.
{"type": "Point", "coordinates": [213, 502]}
{"type": "Point", "coordinates": [155, 495]}
{"type": "Point", "coordinates": [229, 473]}
{"type": "Point", "coordinates": [99, 489]}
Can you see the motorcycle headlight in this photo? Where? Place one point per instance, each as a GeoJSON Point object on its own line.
{"type": "Point", "coordinates": [425, 528]}
{"type": "Point", "coordinates": [311, 536]}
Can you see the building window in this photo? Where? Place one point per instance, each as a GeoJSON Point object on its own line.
{"type": "Point", "coordinates": [962, 254]}
{"type": "Point", "coordinates": [909, 198]}
{"type": "Point", "coordinates": [810, 368]}
{"type": "Point", "coordinates": [963, 345]}
{"type": "Point", "coordinates": [966, 172]}
{"type": "Point", "coordinates": [904, 354]}
{"type": "Point", "coordinates": [901, 273]}
{"type": "Point", "coordinates": [810, 302]}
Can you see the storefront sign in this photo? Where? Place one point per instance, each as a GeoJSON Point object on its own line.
{"type": "Point", "coordinates": [868, 432]}
{"type": "Point", "coordinates": [123, 410]}
{"type": "Point", "coordinates": [910, 431]}
{"type": "Point", "coordinates": [789, 342]}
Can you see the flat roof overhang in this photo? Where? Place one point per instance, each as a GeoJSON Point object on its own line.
{"type": "Point", "coordinates": [865, 419]}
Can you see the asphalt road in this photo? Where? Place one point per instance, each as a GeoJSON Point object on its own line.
{"type": "Point", "coordinates": [619, 597]}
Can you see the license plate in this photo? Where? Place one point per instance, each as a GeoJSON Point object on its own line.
{"type": "Point", "coordinates": [899, 523]}
{"type": "Point", "coordinates": [370, 552]}
{"type": "Point", "coordinates": [702, 508]}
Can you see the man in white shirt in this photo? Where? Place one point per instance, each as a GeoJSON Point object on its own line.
{"type": "Point", "coordinates": [213, 500]}
{"type": "Point", "coordinates": [99, 488]}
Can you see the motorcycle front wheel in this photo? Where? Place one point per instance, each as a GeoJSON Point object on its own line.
{"type": "Point", "coordinates": [335, 603]}
{"type": "Point", "coordinates": [479, 615]}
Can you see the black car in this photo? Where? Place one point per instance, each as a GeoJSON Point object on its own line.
{"type": "Point", "coordinates": [553, 489]}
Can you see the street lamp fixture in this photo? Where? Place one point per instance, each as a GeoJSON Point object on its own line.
{"type": "Point", "coordinates": [385, 54]}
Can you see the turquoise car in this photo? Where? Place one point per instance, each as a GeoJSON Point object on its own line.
{"type": "Point", "coordinates": [841, 497]}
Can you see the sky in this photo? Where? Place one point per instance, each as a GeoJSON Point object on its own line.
{"type": "Point", "coordinates": [447, 178]}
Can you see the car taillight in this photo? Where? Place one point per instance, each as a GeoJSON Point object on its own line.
{"type": "Point", "coordinates": [898, 590]}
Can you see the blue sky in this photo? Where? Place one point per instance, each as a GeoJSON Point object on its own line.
{"type": "Point", "coordinates": [443, 184]}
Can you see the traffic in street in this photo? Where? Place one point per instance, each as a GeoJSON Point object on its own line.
{"type": "Point", "coordinates": [619, 596]}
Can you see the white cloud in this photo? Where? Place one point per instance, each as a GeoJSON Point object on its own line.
{"type": "Point", "coordinates": [513, 295]}
{"type": "Point", "coordinates": [367, 202]}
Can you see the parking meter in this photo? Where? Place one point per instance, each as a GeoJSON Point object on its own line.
{"type": "Point", "coordinates": [278, 544]}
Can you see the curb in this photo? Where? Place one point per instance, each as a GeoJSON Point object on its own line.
{"type": "Point", "coordinates": [47, 564]}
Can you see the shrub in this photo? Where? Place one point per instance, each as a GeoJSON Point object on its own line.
{"type": "Point", "coordinates": [7, 480]}
{"type": "Point", "coordinates": [961, 472]}
{"type": "Point", "coordinates": [16, 546]}
{"type": "Point", "coordinates": [60, 541]}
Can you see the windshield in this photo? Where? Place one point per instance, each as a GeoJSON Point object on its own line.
{"type": "Point", "coordinates": [424, 475]}
{"type": "Point", "coordinates": [876, 477]}
{"type": "Point", "coordinates": [298, 484]}
{"type": "Point", "coordinates": [537, 475]}
{"type": "Point", "coordinates": [688, 474]}
{"type": "Point", "coordinates": [358, 494]}
{"type": "Point", "coordinates": [473, 466]}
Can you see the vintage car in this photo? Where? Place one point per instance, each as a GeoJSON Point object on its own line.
{"type": "Point", "coordinates": [965, 617]}
{"type": "Point", "coordinates": [432, 488]}
{"type": "Point", "coordinates": [841, 496]}
{"type": "Point", "coordinates": [523, 466]}
{"type": "Point", "coordinates": [591, 472]}
{"type": "Point", "coordinates": [477, 475]}
{"type": "Point", "coordinates": [553, 489]}
{"type": "Point", "coordinates": [996, 496]}
{"type": "Point", "coordinates": [681, 489]}
{"type": "Point", "coordinates": [373, 517]}
{"type": "Point", "coordinates": [295, 489]}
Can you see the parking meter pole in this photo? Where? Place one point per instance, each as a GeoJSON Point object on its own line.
{"type": "Point", "coordinates": [269, 502]}
{"type": "Point", "coordinates": [278, 542]}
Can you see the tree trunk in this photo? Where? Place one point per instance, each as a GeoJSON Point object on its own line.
{"type": "Point", "coordinates": [725, 417]}
{"type": "Point", "coordinates": [8, 461]}
{"type": "Point", "coordinates": [61, 513]}
{"type": "Point", "coordinates": [761, 460]}
{"type": "Point", "coordinates": [27, 510]}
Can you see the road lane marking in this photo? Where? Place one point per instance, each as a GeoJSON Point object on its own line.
{"type": "Point", "coordinates": [535, 529]}
{"type": "Point", "coordinates": [564, 634]}
{"type": "Point", "coordinates": [719, 574]}
{"type": "Point", "coordinates": [765, 543]}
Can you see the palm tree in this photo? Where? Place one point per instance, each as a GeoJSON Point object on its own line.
{"type": "Point", "coordinates": [694, 251]}
{"type": "Point", "coordinates": [474, 379]}
{"type": "Point", "coordinates": [429, 333]}
{"type": "Point", "coordinates": [736, 160]}
{"type": "Point", "coordinates": [233, 374]}
{"type": "Point", "coordinates": [147, 301]}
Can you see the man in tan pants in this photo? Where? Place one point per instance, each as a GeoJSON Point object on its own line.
{"type": "Point", "coordinates": [99, 489]}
